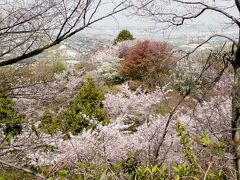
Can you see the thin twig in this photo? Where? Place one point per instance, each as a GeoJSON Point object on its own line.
{"type": "Point", "coordinates": [22, 169]}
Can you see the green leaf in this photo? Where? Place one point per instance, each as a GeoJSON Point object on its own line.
{"type": "Point", "coordinates": [204, 134]}
{"type": "Point", "coordinates": [207, 141]}
{"type": "Point", "coordinates": [177, 177]}
{"type": "Point", "coordinates": [163, 170]}
{"type": "Point", "coordinates": [176, 169]}
{"type": "Point", "coordinates": [139, 171]}
{"type": "Point", "coordinates": [212, 175]}
{"type": "Point", "coordinates": [147, 169]}
{"type": "Point", "coordinates": [220, 173]}
{"type": "Point", "coordinates": [155, 169]}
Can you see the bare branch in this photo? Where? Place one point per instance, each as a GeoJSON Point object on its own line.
{"type": "Point", "coordinates": [70, 18]}
{"type": "Point", "coordinates": [22, 169]}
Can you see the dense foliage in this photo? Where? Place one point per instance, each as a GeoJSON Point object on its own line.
{"type": "Point", "coordinates": [10, 119]}
{"type": "Point", "coordinates": [148, 61]}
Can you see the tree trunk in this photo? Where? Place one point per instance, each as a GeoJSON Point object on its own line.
{"type": "Point", "coordinates": [236, 111]}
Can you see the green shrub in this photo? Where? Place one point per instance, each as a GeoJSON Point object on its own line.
{"type": "Point", "coordinates": [87, 106]}
{"type": "Point", "coordinates": [10, 119]}
{"type": "Point", "coordinates": [123, 36]}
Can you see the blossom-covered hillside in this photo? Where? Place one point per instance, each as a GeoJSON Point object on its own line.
{"type": "Point", "coordinates": [149, 113]}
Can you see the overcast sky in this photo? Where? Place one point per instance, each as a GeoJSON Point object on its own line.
{"type": "Point", "coordinates": [207, 18]}
{"type": "Point", "coordinates": [208, 23]}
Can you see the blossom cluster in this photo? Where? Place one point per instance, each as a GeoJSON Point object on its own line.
{"type": "Point", "coordinates": [108, 60]}
{"type": "Point", "coordinates": [131, 132]}
{"type": "Point", "coordinates": [135, 125]}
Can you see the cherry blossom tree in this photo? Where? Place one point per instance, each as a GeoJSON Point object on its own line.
{"type": "Point", "coordinates": [176, 13]}
{"type": "Point", "coordinates": [30, 27]}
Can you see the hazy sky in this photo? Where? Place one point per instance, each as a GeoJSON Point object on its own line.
{"type": "Point", "coordinates": [208, 23]}
{"type": "Point", "coordinates": [207, 18]}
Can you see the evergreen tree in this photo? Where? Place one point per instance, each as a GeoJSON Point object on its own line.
{"type": "Point", "coordinates": [123, 36]}
{"type": "Point", "coordinates": [10, 120]}
{"type": "Point", "coordinates": [84, 112]}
